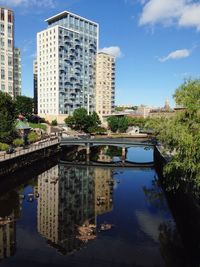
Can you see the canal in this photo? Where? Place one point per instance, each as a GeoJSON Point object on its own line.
{"type": "Point", "coordinates": [57, 214]}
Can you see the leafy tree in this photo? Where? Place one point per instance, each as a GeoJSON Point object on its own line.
{"type": "Point", "coordinates": [80, 118]}
{"type": "Point", "coordinates": [7, 117]}
{"type": "Point", "coordinates": [69, 121]}
{"type": "Point", "coordinates": [122, 124]}
{"type": "Point", "coordinates": [119, 124]}
{"type": "Point", "coordinates": [24, 105]}
{"type": "Point", "coordinates": [181, 134]}
{"type": "Point", "coordinates": [81, 121]}
{"type": "Point", "coordinates": [113, 123]}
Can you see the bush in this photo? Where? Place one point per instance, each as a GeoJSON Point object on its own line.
{"type": "Point", "coordinates": [54, 123]}
{"type": "Point", "coordinates": [4, 147]}
{"type": "Point", "coordinates": [97, 130]}
{"type": "Point", "coordinates": [32, 137]}
{"type": "Point", "coordinates": [18, 142]}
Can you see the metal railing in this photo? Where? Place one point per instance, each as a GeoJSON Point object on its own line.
{"type": "Point", "coordinates": [34, 147]}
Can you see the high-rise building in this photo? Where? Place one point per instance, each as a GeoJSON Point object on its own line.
{"type": "Point", "coordinates": [66, 54]}
{"type": "Point", "coordinates": [105, 84]}
{"type": "Point", "coordinates": [10, 60]}
{"type": "Point", "coordinates": [35, 86]}
{"type": "Point", "coordinates": [17, 72]}
{"type": "Point", "coordinates": [7, 50]}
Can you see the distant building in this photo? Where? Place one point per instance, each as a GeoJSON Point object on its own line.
{"type": "Point", "coordinates": [35, 86]}
{"type": "Point", "coordinates": [143, 111]}
{"type": "Point", "coordinates": [66, 53]}
{"type": "Point", "coordinates": [17, 72]}
{"type": "Point", "coordinates": [105, 84]}
{"type": "Point", "coordinates": [9, 58]}
{"type": "Point", "coordinates": [7, 50]}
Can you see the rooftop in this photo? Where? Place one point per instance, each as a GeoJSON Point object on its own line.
{"type": "Point", "coordinates": [65, 14]}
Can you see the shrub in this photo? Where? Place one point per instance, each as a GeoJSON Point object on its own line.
{"type": "Point", "coordinates": [18, 142]}
{"type": "Point", "coordinates": [32, 137]}
{"type": "Point", "coordinates": [4, 147]}
{"type": "Point", "coordinates": [54, 123]}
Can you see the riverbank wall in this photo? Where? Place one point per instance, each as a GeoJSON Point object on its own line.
{"type": "Point", "coordinates": [13, 164]}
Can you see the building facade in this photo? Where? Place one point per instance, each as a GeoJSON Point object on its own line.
{"type": "Point", "coordinates": [17, 72]}
{"type": "Point", "coordinates": [35, 86]}
{"type": "Point", "coordinates": [66, 54]}
{"type": "Point", "coordinates": [105, 84]}
{"type": "Point", "coordinates": [7, 50]}
{"type": "Point", "coordinates": [10, 57]}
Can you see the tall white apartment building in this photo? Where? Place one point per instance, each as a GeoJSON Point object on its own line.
{"type": "Point", "coordinates": [66, 53]}
{"type": "Point", "coordinates": [17, 72]}
{"type": "Point", "coordinates": [105, 84]}
{"type": "Point", "coordinates": [7, 51]}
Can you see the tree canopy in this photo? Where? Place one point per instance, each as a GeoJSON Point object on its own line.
{"type": "Point", "coordinates": [118, 124]}
{"type": "Point", "coordinates": [7, 116]}
{"type": "Point", "coordinates": [181, 134]}
{"type": "Point", "coordinates": [82, 121]}
{"type": "Point", "coordinates": [24, 105]}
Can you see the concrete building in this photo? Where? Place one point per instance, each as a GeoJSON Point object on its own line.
{"type": "Point", "coordinates": [17, 72]}
{"type": "Point", "coordinates": [35, 86]}
{"type": "Point", "coordinates": [105, 84]}
{"type": "Point", "coordinates": [66, 54]}
{"type": "Point", "coordinates": [7, 50]}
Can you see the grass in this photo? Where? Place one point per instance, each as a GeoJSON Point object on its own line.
{"type": "Point", "coordinates": [38, 125]}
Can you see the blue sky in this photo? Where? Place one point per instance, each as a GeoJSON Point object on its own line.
{"type": "Point", "coordinates": [156, 41]}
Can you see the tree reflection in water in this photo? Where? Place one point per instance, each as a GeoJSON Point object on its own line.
{"type": "Point", "coordinates": [179, 240]}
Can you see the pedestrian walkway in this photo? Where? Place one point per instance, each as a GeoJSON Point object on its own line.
{"type": "Point", "coordinates": [34, 147]}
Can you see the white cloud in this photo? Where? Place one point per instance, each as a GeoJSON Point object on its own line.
{"type": "Point", "coordinates": [112, 50]}
{"type": "Point", "coordinates": [178, 54]}
{"type": "Point", "coordinates": [29, 3]}
{"type": "Point", "coordinates": [184, 13]}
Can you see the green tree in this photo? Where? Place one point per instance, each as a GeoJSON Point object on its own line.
{"type": "Point", "coordinates": [113, 123]}
{"type": "Point", "coordinates": [181, 134]}
{"type": "Point", "coordinates": [24, 105]}
{"type": "Point", "coordinates": [119, 124]}
{"type": "Point", "coordinates": [69, 121]}
{"type": "Point", "coordinates": [7, 117]}
{"type": "Point", "coordinates": [81, 121]}
{"type": "Point", "coordinates": [122, 124]}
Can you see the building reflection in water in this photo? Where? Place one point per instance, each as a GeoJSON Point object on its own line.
{"type": "Point", "coordinates": [69, 201]}
{"type": "Point", "coordinates": [9, 212]}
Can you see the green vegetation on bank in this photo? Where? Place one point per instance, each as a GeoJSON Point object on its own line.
{"type": "Point", "coordinates": [180, 135]}
{"type": "Point", "coordinates": [38, 125]}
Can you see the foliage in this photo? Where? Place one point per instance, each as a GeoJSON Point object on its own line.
{"type": "Point", "coordinates": [97, 130]}
{"type": "Point", "coordinates": [18, 142]}
{"type": "Point", "coordinates": [4, 147]}
{"type": "Point", "coordinates": [70, 122]}
{"type": "Point", "coordinates": [113, 151]}
{"type": "Point", "coordinates": [32, 137]}
{"type": "Point", "coordinates": [54, 123]}
{"type": "Point", "coordinates": [7, 116]}
{"type": "Point", "coordinates": [118, 124]}
{"type": "Point", "coordinates": [82, 121]}
{"type": "Point", "coordinates": [140, 122]}
{"type": "Point", "coordinates": [180, 134]}
{"type": "Point", "coordinates": [24, 105]}
{"type": "Point", "coordinates": [38, 125]}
